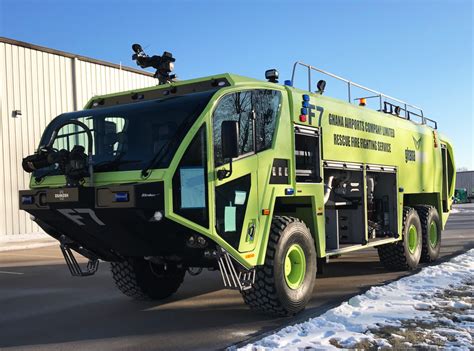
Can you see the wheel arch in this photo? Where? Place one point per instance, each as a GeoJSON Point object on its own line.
{"type": "Point", "coordinates": [303, 208]}
{"type": "Point", "coordinates": [431, 199]}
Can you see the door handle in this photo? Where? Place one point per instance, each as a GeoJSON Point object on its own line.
{"type": "Point", "coordinates": [251, 231]}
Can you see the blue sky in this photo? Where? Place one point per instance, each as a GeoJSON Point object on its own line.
{"type": "Point", "coordinates": [419, 51]}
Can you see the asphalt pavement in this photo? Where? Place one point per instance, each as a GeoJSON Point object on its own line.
{"type": "Point", "coordinates": [43, 308]}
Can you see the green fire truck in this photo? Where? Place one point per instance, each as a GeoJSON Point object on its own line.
{"type": "Point", "coordinates": [261, 181]}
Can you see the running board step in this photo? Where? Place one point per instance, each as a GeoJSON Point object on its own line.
{"type": "Point", "coordinates": [234, 278]}
{"type": "Point", "coordinates": [372, 243]}
{"type": "Point", "coordinates": [73, 265]}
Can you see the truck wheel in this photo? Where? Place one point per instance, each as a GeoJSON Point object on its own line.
{"type": "Point", "coordinates": [284, 284]}
{"type": "Point", "coordinates": [404, 254]}
{"type": "Point", "coordinates": [143, 280]}
{"type": "Point", "coordinates": [431, 228]}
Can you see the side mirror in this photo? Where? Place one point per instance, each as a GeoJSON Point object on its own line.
{"type": "Point", "coordinates": [230, 139]}
{"type": "Point", "coordinates": [230, 146]}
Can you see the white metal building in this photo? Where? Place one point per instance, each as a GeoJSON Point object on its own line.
{"type": "Point", "coordinates": [36, 85]}
{"type": "Point", "coordinates": [465, 180]}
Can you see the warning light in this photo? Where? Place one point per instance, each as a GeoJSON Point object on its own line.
{"type": "Point", "coordinates": [271, 75]}
{"type": "Point", "coordinates": [362, 102]}
{"type": "Point", "coordinates": [435, 139]}
{"type": "Point", "coordinates": [305, 109]}
{"type": "Point", "coordinates": [266, 212]}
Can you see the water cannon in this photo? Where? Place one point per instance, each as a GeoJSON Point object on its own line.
{"type": "Point", "coordinates": [163, 64]}
{"type": "Point", "coordinates": [74, 164]}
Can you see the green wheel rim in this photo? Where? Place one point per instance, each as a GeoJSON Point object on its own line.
{"type": "Point", "coordinates": [295, 266]}
{"type": "Point", "coordinates": [412, 239]}
{"type": "Point", "coordinates": [433, 234]}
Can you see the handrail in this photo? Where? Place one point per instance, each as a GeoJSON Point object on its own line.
{"type": "Point", "coordinates": [350, 84]}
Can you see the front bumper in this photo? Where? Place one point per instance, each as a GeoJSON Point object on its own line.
{"type": "Point", "coordinates": [109, 221]}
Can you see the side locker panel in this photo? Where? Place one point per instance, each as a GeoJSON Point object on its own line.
{"type": "Point", "coordinates": [345, 209]}
{"type": "Point", "coordinates": [382, 202]}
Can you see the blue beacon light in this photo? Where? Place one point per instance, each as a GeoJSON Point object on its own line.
{"type": "Point", "coordinates": [27, 200]}
{"type": "Point", "coordinates": [289, 191]}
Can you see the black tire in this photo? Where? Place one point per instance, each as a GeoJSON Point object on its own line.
{"type": "Point", "coordinates": [429, 217]}
{"type": "Point", "coordinates": [271, 294]}
{"type": "Point", "coordinates": [143, 280]}
{"type": "Point", "coordinates": [398, 256]}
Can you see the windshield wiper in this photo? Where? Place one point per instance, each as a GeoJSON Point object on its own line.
{"type": "Point", "coordinates": [158, 156]}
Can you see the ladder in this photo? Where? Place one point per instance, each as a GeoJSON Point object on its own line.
{"type": "Point", "coordinates": [387, 104]}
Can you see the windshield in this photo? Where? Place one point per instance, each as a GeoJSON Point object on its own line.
{"type": "Point", "coordinates": [128, 137]}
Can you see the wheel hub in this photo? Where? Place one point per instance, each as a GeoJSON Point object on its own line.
{"type": "Point", "coordinates": [433, 234]}
{"type": "Point", "coordinates": [412, 238]}
{"type": "Point", "coordinates": [295, 266]}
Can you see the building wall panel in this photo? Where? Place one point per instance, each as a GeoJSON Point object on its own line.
{"type": "Point", "coordinates": [43, 83]}
{"type": "Point", "coordinates": [465, 179]}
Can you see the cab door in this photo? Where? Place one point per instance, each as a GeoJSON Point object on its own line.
{"type": "Point", "coordinates": [236, 193]}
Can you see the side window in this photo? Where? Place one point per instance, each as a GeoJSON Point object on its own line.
{"type": "Point", "coordinates": [113, 135]}
{"type": "Point", "coordinates": [266, 104]}
{"type": "Point", "coordinates": [71, 135]}
{"type": "Point", "coordinates": [190, 182]}
{"type": "Point", "coordinates": [256, 111]}
{"type": "Point", "coordinates": [234, 107]}
{"type": "Point", "coordinates": [109, 139]}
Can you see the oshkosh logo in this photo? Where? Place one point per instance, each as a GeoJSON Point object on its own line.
{"type": "Point", "coordinates": [417, 142]}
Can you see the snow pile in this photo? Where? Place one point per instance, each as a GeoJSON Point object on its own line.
{"type": "Point", "coordinates": [459, 209]}
{"type": "Point", "coordinates": [431, 308]}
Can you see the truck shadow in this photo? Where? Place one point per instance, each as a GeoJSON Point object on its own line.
{"type": "Point", "coordinates": [50, 307]}
{"type": "Point", "coordinates": [46, 306]}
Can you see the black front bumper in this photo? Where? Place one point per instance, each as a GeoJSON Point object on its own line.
{"type": "Point", "coordinates": [110, 221]}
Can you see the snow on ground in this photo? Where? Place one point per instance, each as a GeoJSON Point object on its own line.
{"type": "Point", "coordinates": [430, 309]}
{"type": "Point", "coordinates": [463, 208]}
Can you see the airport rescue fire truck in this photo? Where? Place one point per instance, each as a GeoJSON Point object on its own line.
{"type": "Point", "coordinates": [260, 181]}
